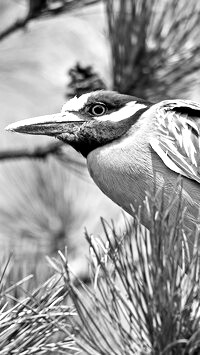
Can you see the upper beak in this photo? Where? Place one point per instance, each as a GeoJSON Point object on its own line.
{"type": "Point", "coordinates": [49, 125]}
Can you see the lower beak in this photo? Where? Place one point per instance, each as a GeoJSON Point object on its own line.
{"type": "Point", "coordinates": [49, 125]}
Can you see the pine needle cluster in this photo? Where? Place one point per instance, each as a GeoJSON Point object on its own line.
{"type": "Point", "coordinates": [83, 79]}
{"type": "Point", "coordinates": [37, 323]}
{"type": "Point", "coordinates": [154, 47]}
{"type": "Point", "coordinates": [144, 296]}
{"type": "Point", "coordinates": [145, 293]}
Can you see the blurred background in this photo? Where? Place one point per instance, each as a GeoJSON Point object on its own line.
{"type": "Point", "coordinates": [52, 50]}
{"type": "Point", "coordinates": [46, 204]}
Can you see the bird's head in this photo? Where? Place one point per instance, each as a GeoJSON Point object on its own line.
{"type": "Point", "coordinates": [87, 122]}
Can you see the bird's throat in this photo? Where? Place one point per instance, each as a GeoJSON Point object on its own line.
{"type": "Point", "coordinates": [91, 135]}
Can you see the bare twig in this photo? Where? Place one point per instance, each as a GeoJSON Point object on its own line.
{"type": "Point", "coordinates": [57, 149]}
{"type": "Point", "coordinates": [14, 27]}
{"type": "Point", "coordinates": [40, 8]}
{"type": "Point", "coordinates": [36, 152]}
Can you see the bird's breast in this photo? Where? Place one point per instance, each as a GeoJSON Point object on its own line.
{"type": "Point", "coordinates": [123, 171]}
{"type": "Point", "coordinates": [129, 169]}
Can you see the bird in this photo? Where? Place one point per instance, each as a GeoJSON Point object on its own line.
{"type": "Point", "coordinates": [131, 145]}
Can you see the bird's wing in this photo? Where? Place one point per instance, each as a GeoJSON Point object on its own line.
{"type": "Point", "coordinates": [177, 141]}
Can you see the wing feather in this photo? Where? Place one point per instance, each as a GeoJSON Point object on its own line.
{"type": "Point", "coordinates": [177, 140]}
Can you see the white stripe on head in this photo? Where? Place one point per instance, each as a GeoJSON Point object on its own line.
{"type": "Point", "coordinates": [123, 113]}
{"type": "Point", "coordinates": [76, 103]}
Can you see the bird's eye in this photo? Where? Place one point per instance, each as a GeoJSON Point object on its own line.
{"type": "Point", "coordinates": [98, 110]}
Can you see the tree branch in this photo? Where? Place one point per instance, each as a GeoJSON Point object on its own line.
{"type": "Point", "coordinates": [42, 9]}
{"type": "Point", "coordinates": [37, 152]}
{"type": "Point", "coordinates": [14, 27]}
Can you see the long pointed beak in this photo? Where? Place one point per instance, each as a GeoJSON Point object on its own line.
{"type": "Point", "coordinates": [49, 125]}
